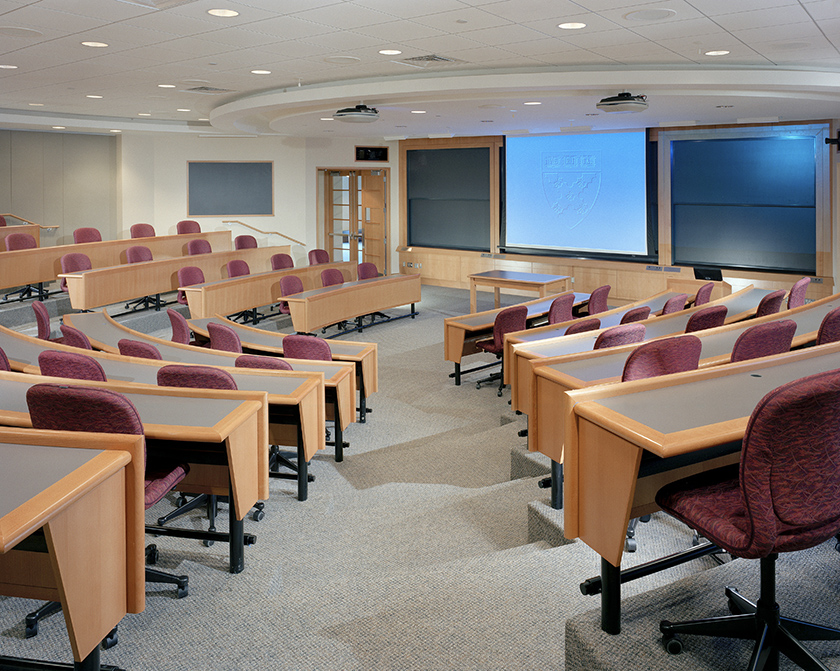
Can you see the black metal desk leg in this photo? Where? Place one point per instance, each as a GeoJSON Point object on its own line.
{"type": "Point", "coordinates": [339, 435]}
{"type": "Point", "coordinates": [89, 663]}
{"type": "Point", "coordinates": [413, 313]}
{"type": "Point", "coordinates": [236, 529]}
{"type": "Point", "coordinates": [556, 485]}
{"type": "Point", "coordinates": [302, 468]}
{"type": "Point", "coordinates": [362, 404]}
{"type": "Point", "coordinates": [610, 597]}
{"type": "Point", "coordinates": [457, 375]}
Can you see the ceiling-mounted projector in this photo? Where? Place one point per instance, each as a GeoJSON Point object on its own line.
{"type": "Point", "coordinates": [357, 114]}
{"type": "Point", "coordinates": [623, 102]}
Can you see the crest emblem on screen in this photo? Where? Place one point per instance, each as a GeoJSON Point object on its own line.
{"type": "Point", "coordinates": [571, 184]}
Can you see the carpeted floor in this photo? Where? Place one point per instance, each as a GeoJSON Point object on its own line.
{"type": "Point", "coordinates": [413, 553]}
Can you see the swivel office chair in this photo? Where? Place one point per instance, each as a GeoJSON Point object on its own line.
{"type": "Point", "coordinates": [71, 263]}
{"type": "Point", "coordinates": [198, 246]}
{"type": "Point", "coordinates": [81, 235]}
{"type": "Point", "coordinates": [829, 328]}
{"type": "Point", "coordinates": [635, 315]}
{"type": "Point", "coordinates": [224, 338]}
{"type": "Point", "coordinates": [674, 304]}
{"type": "Point", "coordinates": [289, 284]}
{"type": "Point", "coordinates": [74, 337]}
{"type": "Point", "coordinates": [318, 256]}
{"type": "Point", "coordinates": [19, 241]}
{"type": "Point", "coordinates": [187, 227]}
{"type": "Point", "coordinates": [764, 340]}
{"type": "Point", "coordinates": [368, 271]}
{"type": "Point", "coordinates": [139, 349]}
{"type": "Point", "coordinates": [142, 231]}
{"type": "Point", "coordinates": [583, 325]}
{"type": "Point", "coordinates": [4, 361]}
{"type": "Point", "coordinates": [298, 346]}
{"type": "Point", "coordinates": [332, 277]}
{"type": "Point", "coordinates": [707, 318]}
{"type": "Point", "coordinates": [770, 304]}
{"type": "Point", "coordinates": [42, 319]}
{"type": "Point", "coordinates": [704, 294]}
{"type": "Point", "coordinates": [509, 320]}
{"type": "Point", "coordinates": [240, 268]}
{"type": "Point", "coordinates": [624, 334]}
{"type": "Point", "coordinates": [598, 300]}
{"type": "Point", "coordinates": [796, 296]}
{"type": "Point", "coordinates": [55, 363]}
{"type": "Point", "coordinates": [560, 309]}
{"type": "Point", "coordinates": [244, 242]}
{"type": "Point", "coordinates": [142, 254]}
{"type": "Point", "coordinates": [281, 262]}
{"type": "Point", "coordinates": [181, 332]}
{"type": "Point", "coordinates": [187, 277]}
{"type": "Point", "coordinates": [257, 361]}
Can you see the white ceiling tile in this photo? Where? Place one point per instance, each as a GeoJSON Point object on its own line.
{"type": "Point", "coordinates": [721, 7]}
{"type": "Point", "coordinates": [440, 45]}
{"type": "Point", "coordinates": [823, 10]}
{"type": "Point", "coordinates": [680, 29]}
{"type": "Point", "coordinates": [684, 11]}
{"type": "Point", "coordinates": [344, 41]}
{"type": "Point", "coordinates": [638, 53]}
{"type": "Point", "coordinates": [603, 38]}
{"type": "Point", "coordinates": [594, 23]}
{"type": "Point", "coordinates": [756, 37]}
{"type": "Point", "coordinates": [481, 54]}
{"type": "Point", "coordinates": [462, 20]}
{"type": "Point", "coordinates": [578, 57]}
{"type": "Point", "coordinates": [399, 31]}
{"type": "Point", "coordinates": [538, 48]}
{"type": "Point", "coordinates": [291, 28]}
{"type": "Point", "coordinates": [50, 22]}
{"type": "Point", "coordinates": [120, 36]}
{"type": "Point", "coordinates": [345, 16]}
{"type": "Point", "coordinates": [409, 10]}
{"type": "Point", "coordinates": [239, 37]}
{"type": "Point", "coordinates": [177, 24]}
{"type": "Point", "coordinates": [521, 11]}
{"type": "Point", "coordinates": [774, 16]}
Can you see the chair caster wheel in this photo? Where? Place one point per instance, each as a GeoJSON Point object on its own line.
{"type": "Point", "coordinates": [152, 555]}
{"type": "Point", "coordinates": [183, 590]}
{"type": "Point", "coordinates": [499, 393]}
{"type": "Point", "coordinates": [181, 501]}
{"type": "Point", "coordinates": [644, 518]}
{"type": "Point", "coordinates": [208, 544]}
{"type": "Point", "coordinates": [630, 545]}
{"type": "Point", "coordinates": [257, 515]}
{"type": "Point", "coordinates": [478, 385]}
{"type": "Point", "coordinates": [673, 645]}
{"type": "Point", "coordinates": [110, 640]}
{"type": "Point", "coordinates": [31, 630]}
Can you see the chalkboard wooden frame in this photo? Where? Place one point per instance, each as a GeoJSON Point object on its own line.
{"type": "Point", "coordinates": [230, 188]}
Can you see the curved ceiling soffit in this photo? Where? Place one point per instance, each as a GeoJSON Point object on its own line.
{"type": "Point", "coordinates": [264, 113]}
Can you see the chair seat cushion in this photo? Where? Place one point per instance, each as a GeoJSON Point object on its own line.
{"type": "Point", "coordinates": [488, 346]}
{"type": "Point", "coordinates": [160, 480]}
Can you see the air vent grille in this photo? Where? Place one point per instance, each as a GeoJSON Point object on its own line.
{"type": "Point", "coordinates": [157, 4]}
{"type": "Point", "coordinates": [430, 58]}
{"type": "Point", "coordinates": [207, 90]}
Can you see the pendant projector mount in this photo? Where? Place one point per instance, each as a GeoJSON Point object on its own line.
{"type": "Point", "coordinates": [623, 102]}
{"type": "Point", "coordinates": [357, 114]}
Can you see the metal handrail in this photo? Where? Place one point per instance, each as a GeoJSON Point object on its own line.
{"type": "Point", "coordinates": [32, 223]}
{"type": "Point", "coordinates": [254, 228]}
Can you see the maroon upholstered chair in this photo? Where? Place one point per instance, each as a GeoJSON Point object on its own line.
{"type": "Point", "coordinates": [74, 408]}
{"type": "Point", "coordinates": [331, 277]}
{"type": "Point", "coordinates": [188, 276]}
{"type": "Point", "coordinates": [583, 325]}
{"type": "Point", "coordinates": [74, 337]}
{"type": "Point", "coordinates": [196, 377]}
{"type": "Point", "coordinates": [244, 242]}
{"type": "Point", "coordinates": [707, 318]}
{"type": "Point", "coordinates": [770, 304]}
{"type": "Point", "coordinates": [598, 299]}
{"type": "Point", "coordinates": [306, 347]}
{"type": "Point", "coordinates": [4, 361]}
{"type": "Point", "coordinates": [829, 328]}
{"type": "Point", "coordinates": [796, 296]}
{"type": "Point", "coordinates": [367, 271]}
{"type": "Point", "coordinates": [509, 320]}
{"type": "Point", "coordinates": [636, 315]}
{"type": "Point", "coordinates": [281, 262]}
{"type": "Point", "coordinates": [782, 498]}
{"type": "Point", "coordinates": [289, 284]}
{"type": "Point", "coordinates": [81, 235]}
{"type": "Point", "coordinates": [224, 338]}
{"type": "Point", "coordinates": [624, 334]}
{"type": "Point", "coordinates": [187, 227]}
{"type": "Point", "coordinates": [560, 309]}
{"type": "Point", "coordinates": [180, 328]}
{"type": "Point", "coordinates": [764, 340]}
{"type": "Point", "coordinates": [318, 256]}
{"type": "Point", "coordinates": [256, 361]}
{"type": "Point", "coordinates": [54, 363]}
{"type": "Point", "coordinates": [42, 319]}
{"type": "Point", "coordinates": [198, 246]}
{"type": "Point", "coordinates": [2, 220]}
{"type": "Point", "coordinates": [71, 263]}
{"type": "Point", "coordinates": [238, 268]}
{"type": "Point", "coordinates": [704, 294]}
{"type": "Point", "coordinates": [142, 231]}
{"type": "Point", "coordinates": [138, 254]}
{"type": "Point", "coordinates": [674, 304]}
{"type": "Point", "coordinates": [138, 348]}
{"type": "Point", "coordinates": [15, 241]}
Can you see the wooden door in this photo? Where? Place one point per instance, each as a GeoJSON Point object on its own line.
{"type": "Point", "coordinates": [373, 208]}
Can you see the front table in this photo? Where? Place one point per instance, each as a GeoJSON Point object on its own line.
{"type": "Point", "coordinates": [508, 279]}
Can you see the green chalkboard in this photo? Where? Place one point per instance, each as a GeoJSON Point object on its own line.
{"type": "Point", "coordinates": [230, 188]}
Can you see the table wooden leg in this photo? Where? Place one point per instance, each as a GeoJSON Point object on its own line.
{"type": "Point", "coordinates": [472, 297]}
{"type": "Point", "coordinates": [497, 294]}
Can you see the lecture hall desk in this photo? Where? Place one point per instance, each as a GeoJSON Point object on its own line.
{"type": "Point", "coordinates": [52, 484]}
{"type": "Point", "coordinates": [741, 305]}
{"type": "Point", "coordinates": [235, 422]}
{"type": "Point", "coordinates": [516, 281]}
{"type": "Point", "coordinates": [32, 229]}
{"type": "Point", "coordinates": [43, 264]}
{"type": "Point", "coordinates": [237, 294]}
{"type": "Point", "coordinates": [682, 424]}
{"type": "Point", "coordinates": [107, 285]}
{"type": "Point", "coordinates": [323, 307]}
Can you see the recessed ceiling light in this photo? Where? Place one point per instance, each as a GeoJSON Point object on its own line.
{"type": "Point", "coordinates": [36, 104]}
{"type": "Point", "coordinates": [461, 21]}
{"type": "Point", "coordinates": [17, 31]}
{"type": "Point", "coordinates": [116, 131]}
{"type": "Point", "coordinates": [59, 127]}
{"type": "Point", "coordinates": [95, 45]}
{"type": "Point", "coordinates": [8, 67]}
{"type": "Point", "coordinates": [342, 60]}
{"type": "Point", "coordinates": [224, 13]}
{"type": "Point", "coordinates": [533, 102]}
{"type": "Point", "coordinates": [94, 97]}
{"type": "Point", "coordinates": [327, 118]}
{"type": "Point", "coordinates": [390, 52]}
{"type": "Point", "coordinates": [143, 114]}
{"type": "Point", "coordinates": [260, 72]}
{"type": "Point", "coordinates": [721, 52]}
{"type": "Point", "coordinates": [166, 86]}
{"type": "Point", "coordinates": [183, 109]}
{"type": "Point", "coordinates": [651, 15]}
{"type": "Point", "coordinates": [572, 25]}
{"type": "Point", "coordinates": [204, 119]}
{"type": "Point", "coordinates": [418, 111]}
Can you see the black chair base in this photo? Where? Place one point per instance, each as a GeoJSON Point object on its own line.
{"type": "Point", "coordinates": [500, 376]}
{"type": "Point", "coordinates": [762, 623]}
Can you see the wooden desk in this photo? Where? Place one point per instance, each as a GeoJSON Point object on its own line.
{"type": "Point", "coordinates": [461, 333]}
{"type": "Point", "coordinates": [234, 295]}
{"type": "Point", "coordinates": [317, 308]}
{"type": "Point", "coordinates": [522, 348]}
{"type": "Point", "coordinates": [53, 484]}
{"type": "Point", "coordinates": [32, 229]}
{"type": "Point", "coordinates": [31, 266]}
{"type": "Point", "coordinates": [107, 285]}
{"type": "Point", "coordinates": [509, 279]}
{"type": "Point", "coordinates": [685, 423]}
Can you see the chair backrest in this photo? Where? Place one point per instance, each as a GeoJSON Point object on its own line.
{"type": "Point", "coordinates": [290, 284]}
{"type": "Point", "coordinates": [237, 268]}
{"type": "Point", "coordinates": [829, 328]}
{"type": "Point", "coordinates": [198, 246]}
{"type": "Point", "coordinates": [86, 235]}
{"type": "Point", "coordinates": [54, 363]}
{"type": "Point", "coordinates": [796, 297]}
{"type": "Point", "coordinates": [73, 408]}
{"type": "Point", "coordinates": [581, 325]}
{"type": "Point", "coordinates": [187, 227]}
{"type": "Point", "coordinates": [142, 231]}
{"type": "Point", "coordinates": [20, 241]}
{"type": "Point", "coordinates": [704, 294]}
{"type": "Point", "coordinates": [764, 340]}
{"type": "Point", "coordinates": [2, 220]}
{"type": "Point", "coordinates": [281, 261]}
{"type": "Point", "coordinates": [74, 337]}
{"type": "Point", "coordinates": [560, 309]}
{"type": "Point", "coordinates": [674, 304]}
{"type": "Point", "coordinates": [366, 271]}
{"type": "Point", "coordinates": [187, 276]}
{"type": "Point", "coordinates": [138, 348]}
{"type": "Point", "coordinates": [180, 327]}
{"type": "Point", "coordinates": [255, 361]}
{"type": "Point", "coordinates": [598, 299]}
{"type": "Point", "coordinates": [636, 315]}
{"type": "Point", "coordinates": [138, 254]}
{"type": "Point", "coordinates": [224, 338]}
{"type": "Point", "coordinates": [244, 242]}
{"type": "Point", "coordinates": [318, 256]}
{"type": "Point", "coordinates": [509, 320]}
{"type": "Point", "coordinates": [4, 361]}
{"type": "Point", "coordinates": [624, 334]}
{"type": "Point", "coordinates": [306, 347]}
{"type": "Point", "coordinates": [42, 319]}
{"type": "Point", "coordinates": [663, 357]}
{"type": "Point", "coordinates": [331, 277]}
{"type": "Point", "coordinates": [71, 263]}
{"type": "Point", "coordinates": [770, 304]}
{"type": "Point", "coordinates": [707, 318]}
{"type": "Point", "coordinates": [195, 377]}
